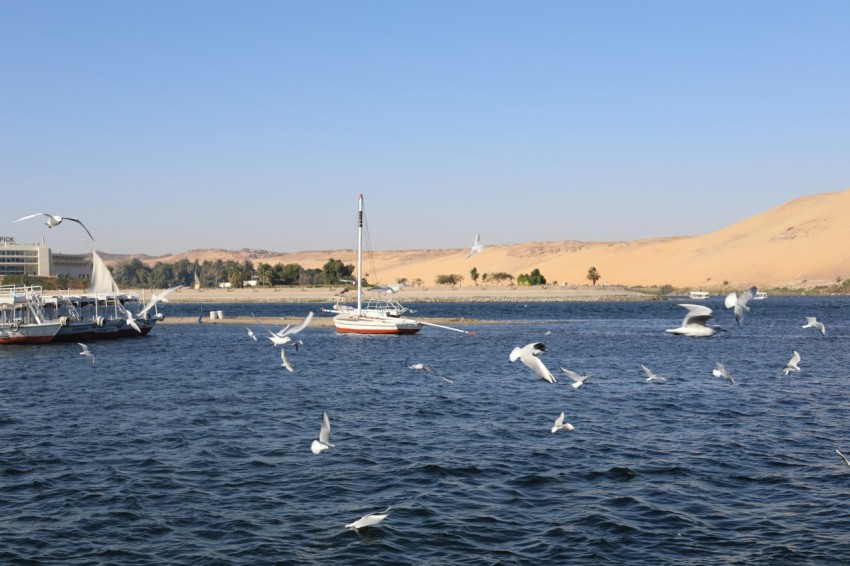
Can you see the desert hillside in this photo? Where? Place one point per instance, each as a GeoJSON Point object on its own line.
{"type": "Point", "coordinates": [798, 244]}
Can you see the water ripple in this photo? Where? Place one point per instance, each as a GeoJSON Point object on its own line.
{"type": "Point", "coordinates": [206, 459]}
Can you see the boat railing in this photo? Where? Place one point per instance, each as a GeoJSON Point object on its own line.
{"type": "Point", "coordinates": [27, 298]}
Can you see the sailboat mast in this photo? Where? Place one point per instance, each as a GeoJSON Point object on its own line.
{"type": "Point", "coordinates": [359, 254]}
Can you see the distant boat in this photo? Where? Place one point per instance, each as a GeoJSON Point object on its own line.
{"type": "Point", "coordinates": [760, 296]}
{"type": "Point", "coordinates": [698, 295]}
{"type": "Point", "coordinates": [379, 316]}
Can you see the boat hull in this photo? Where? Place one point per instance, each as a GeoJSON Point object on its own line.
{"type": "Point", "coordinates": [118, 328]}
{"type": "Point", "coordinates": [348, 324]}
{"type": "Point", "coordinates": [75, 332]}
{"type": "Point", "coordinates": [28, 333]}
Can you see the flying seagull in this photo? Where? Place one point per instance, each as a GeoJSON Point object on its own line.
{"type": "Point", "coordinates": [419, 367]}
{"type": "Point", "coordinates": [812, 322]}
{"type": "Point", "coordinates": [86, 352]}
{"type": "Point", "coordinates": [131, 321]}
{"type": "Point", "coordinates": [720, 371]}
{"type": "Point", "coordinates": [650, 376]}
{"type": "Point", "coordinates": [427, 369]}
{"type": "Point", "coordinates": [285, 360]}
{"type": "Point", "coordinates": [578, 380]}
{"type": "Point", "coordinates": [476, 247]}
{"type": "Point", "coordinates": [391, 289]}
{"type": "Point", "coordinates": [158, 298]}
{"type": "Point", "coordinates": [792, 365]}
{"type": "Point", "coordinates": [369, 520]}
{"type": "Point", "coordinates": [528, 355]}
{"type": "Point", "coordinates": [284, 335]}
{"type": "Point", "coordinates": [252, 335]}
{"type": "Point", "coordinates": [324, 440]}
{"type": "Point", "coordinates": [561, 425]}
{"type": "Point", "coordinates": [843, 457]}
{"type": "Point", "coordinates": [739, 302]}
{"type": "Point", "coordinates": [695, 322]}
{"type": "Point", "coordinates": [55, 221]}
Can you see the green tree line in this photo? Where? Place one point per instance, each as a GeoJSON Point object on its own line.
{"type": "Point", "coordinates": [135, 273]}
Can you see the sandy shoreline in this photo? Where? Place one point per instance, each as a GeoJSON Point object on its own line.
{"type": "Point", "coordinates": [408, 295]}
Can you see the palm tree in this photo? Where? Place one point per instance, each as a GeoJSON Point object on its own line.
{"type": "Point", "coordinates": [474, 274]}
{"type": "Point", "coordinates": [593, 275]}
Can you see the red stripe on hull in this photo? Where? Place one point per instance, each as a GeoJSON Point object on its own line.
{"type": "Point", "coordinates": [27, 340]}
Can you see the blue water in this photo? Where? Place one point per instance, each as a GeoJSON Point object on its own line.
{"type": "Point", "coordinates": [192, 446]}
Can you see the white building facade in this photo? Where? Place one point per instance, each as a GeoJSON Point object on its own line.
{"type": "Point", "coordinates": [38, 260]}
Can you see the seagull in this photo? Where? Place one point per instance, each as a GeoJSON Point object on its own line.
{"type": "Point", "coordinates": [792, 365]}
{"type": "Point", "coordinates": [132, 322]}
{"type": "Point", "coordinates": [720, 371]}
{"type": "Point", "coordinates": [369, 520]}
{"type": "Point", "coordinates": [427, 369]}
{"type": "Point", "coordinates": [387, 288]}
{"type": "Point", "coordinates": [419, 367]}
{"type": "Point", "coordinates": [578, 380]}
{"type": "Point", "coordinates": [55, 221]}
{"type": "Point", "coordinates": [296, 344]}
{"type": "Point", "coordinates": [739, 302]}
{"type": "Point", "coordinates": [695, 322]}
{"type": "Point", "coordinates": [324, 441]}
{"type": "Point", "coordinates": [812, 322]}
{"type": "Point", "coordinates": [476, 247]}
{"type": "Point", "coordinates": [843, 457]}
{"type": "Point", "coordinates": [285, 360]}
{"type": "Point", "coordinates": [252, 335]}
{"type": "Point", "coordinates": [86, 352]}
{"type": "Point", "coordinates": [284, 336]}
{"type": "Point", "coordinates": [651, 376]}
{"type": "Point", "coordinates": [157, 298]}
{"type": "Point", "coordinates": [560, 424]}
{"type": "Point", "coordinates": [528, 354]}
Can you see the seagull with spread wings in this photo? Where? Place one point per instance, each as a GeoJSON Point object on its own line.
{"type": "Point", "coordinates": [324, 441]}
{"type": "Point", "coordinates": [528, 355]}
{"type": "Point", "coordinates": [477, 247]}
{"type": "Point", "coordinates": [695, 322]}
{"type": "Point", "coordinates": [53, 220]}
{"type": "Point", "coordinates": [86, 352]}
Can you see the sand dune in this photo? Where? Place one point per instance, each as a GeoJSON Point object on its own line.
{"type": "Point", "coordinates": [798, 244]}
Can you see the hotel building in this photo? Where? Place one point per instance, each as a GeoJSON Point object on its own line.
{"type": "Point", "coordinates": [38, 260]}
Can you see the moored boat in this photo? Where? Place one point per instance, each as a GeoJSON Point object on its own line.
{"type": "Point", "coordinates": [22, 319]}
{"type": "Point", "coordinates": [379, 316]}
{"type": "Point", "coordinates": [102, 312]}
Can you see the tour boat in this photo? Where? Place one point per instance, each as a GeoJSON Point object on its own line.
{"type": "Point", "coordinates": [22, 317]}
{"type": "Point", "coordinates": [102, 312]}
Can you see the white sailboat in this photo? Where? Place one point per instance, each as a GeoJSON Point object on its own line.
{"type": "Point", "coordinates": [379, 316]}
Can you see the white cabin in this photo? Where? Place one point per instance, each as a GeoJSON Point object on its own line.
{"type": "Point", "coordinates": [698, 295]}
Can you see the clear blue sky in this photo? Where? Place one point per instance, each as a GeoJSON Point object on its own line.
{"type": "Point", "coordinates": [168, 126]}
